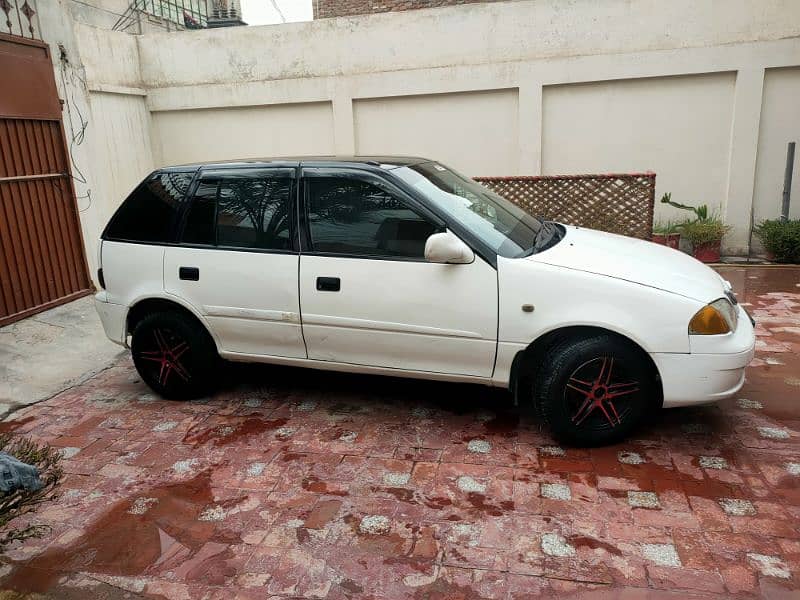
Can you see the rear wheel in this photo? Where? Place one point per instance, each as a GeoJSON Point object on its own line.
{"type": "Point", "coordinates": [174, 355]}
{"type": "Point", "coordinates": [595, 390]}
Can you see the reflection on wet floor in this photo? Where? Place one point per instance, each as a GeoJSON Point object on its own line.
{"type": "Point", "coordinates": [296, 483]}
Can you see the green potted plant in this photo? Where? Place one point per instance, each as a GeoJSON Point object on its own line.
{"type": "Point", "coordinates": [667, 233]}
{"type": "Point", "coordinates": [705, 236]}
{"type": "Point", "coordinates": [781, 239]}
{"type": "Point", "coordinates": [704, 232]}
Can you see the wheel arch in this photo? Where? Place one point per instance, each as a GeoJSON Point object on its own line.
{"type": "Point", "coordinates": [150, 304]}
{"type": "Point", "coordinates": [525, 362]}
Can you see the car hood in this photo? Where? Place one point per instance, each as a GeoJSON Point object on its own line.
{"type": "Point", "coordinates": [634, 260]}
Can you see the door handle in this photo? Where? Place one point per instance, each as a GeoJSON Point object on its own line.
{"type": "Point", "coordinates": [189, 273]}
{"type": "Point", "coordinates": [328, 284]}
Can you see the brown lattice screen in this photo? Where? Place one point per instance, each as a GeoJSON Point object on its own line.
{"type": "Point", "coordinates": [619, 203]}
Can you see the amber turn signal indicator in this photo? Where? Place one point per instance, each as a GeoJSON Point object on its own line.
{"type": "Point", "coordinates": [708, 321]}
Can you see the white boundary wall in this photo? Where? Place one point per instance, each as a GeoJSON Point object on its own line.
{"type": "Point", "coordinates": [704, 93]}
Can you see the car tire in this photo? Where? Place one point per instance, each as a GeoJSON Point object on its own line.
{"type": "Point", "coordinates": [594, 391]}
{"type": "Point", "coordinates": [174, 355]}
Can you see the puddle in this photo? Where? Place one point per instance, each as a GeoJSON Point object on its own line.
{"type": "Point", "coordinates": [312, 484]}
{"type": "Point", "coordinates": [478, 501]}
{"type": "Point", "coordinates": [227, 433]}
{"type": "Point", "coordinates": [125, 543]}
{"type": "Point", "coordinates": [11, 426]}
{"type": "Point", "coordinates": [582, 541]}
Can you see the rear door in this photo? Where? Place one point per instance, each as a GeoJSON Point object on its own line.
{"type": "Point", "coordinates": [368, 295]}
{"type": "Point", "coordinates": [236, 262]}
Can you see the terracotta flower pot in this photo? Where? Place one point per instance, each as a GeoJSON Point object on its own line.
{"type": "Point", "coordinates": [707, 253]}
{"type": "Point", "coordinates": [672, 240]}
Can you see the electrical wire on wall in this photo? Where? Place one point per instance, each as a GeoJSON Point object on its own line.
{"type": "Point", "coordinates": [77, 122]}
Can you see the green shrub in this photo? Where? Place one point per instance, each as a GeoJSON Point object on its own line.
{"type": "Point", "coordinates": [781, 239]}
{"type": "Point", "coordinates": [704, 231]}
{"type": "Point", "coordinates": [666, 227]}
{"type": "Point", "coordinates": [21, 502]}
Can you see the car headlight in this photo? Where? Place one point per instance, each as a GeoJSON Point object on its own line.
{"type": "Point", "coordinates": [713, 319]}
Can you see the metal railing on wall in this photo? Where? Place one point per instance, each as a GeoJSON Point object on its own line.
{"type": "Point", "coordinates": [180, 14]}
{"type": "Point", "coordinates": [20, 17]}
{"type": "Point", "coordinates": [616, 202]}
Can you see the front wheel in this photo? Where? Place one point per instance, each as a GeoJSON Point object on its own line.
{"type": "Point", "coordinates": [174, 355]}
{"type": "Point", "coordinates": [595, 390]}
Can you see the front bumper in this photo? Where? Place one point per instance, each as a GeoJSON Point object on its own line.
{"type": "Point", "coordinates": [113, 317]}
{"type": "Point", "coordinates": [714, 370]}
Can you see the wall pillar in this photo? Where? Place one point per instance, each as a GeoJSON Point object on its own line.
{"type": "Point", "coordinates": [344, 134]}
{"type": "Point", "coordinates": [529, 101]}
{"type": "Point", "coordinates": [743, 154]}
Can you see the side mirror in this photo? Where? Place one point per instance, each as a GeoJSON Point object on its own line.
{"type": "Point", "coordinates": [447, 248]}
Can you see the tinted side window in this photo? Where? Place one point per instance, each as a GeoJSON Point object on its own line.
{"type": "Point", "coordinates": [149, 213]}
{"type": "Point", "coordinates": [348, 216]}
{"type": "Point", "coordinates": [241, 210]}
{"type": "Point", "coordinates": [254, 213]}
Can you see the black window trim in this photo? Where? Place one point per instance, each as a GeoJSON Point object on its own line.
{"type": "Point", "coordinates": [291, 171]}
{"type": "Point", "coordinates": [368, 176]}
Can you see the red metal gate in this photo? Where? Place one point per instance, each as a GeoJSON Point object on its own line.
{"type": "Point", "coordinates": [42, 261]}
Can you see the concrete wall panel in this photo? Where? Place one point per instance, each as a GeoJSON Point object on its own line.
{"type": "Point", "coordinates": [679, 127]}
{"type": "Point", "coordinates": [780, 124]}
{"type": "Point", "coordinates": [247, 132]}
{"type": "Point", "coordinates": [473, 132]}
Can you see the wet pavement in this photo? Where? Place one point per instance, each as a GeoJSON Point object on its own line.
{"type": "Point", "coordinates": [293, 483]}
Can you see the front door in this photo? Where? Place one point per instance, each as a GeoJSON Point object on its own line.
{"type": "Point", "coordinates": [236, 263]}
{"type": "Point", "coordinates": [368, 296]}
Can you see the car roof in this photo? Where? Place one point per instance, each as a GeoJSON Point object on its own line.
{"type": "Point", "coordinates": [388, 162]}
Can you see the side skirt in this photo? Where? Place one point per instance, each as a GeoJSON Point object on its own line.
{"type": "Point", "coordinates": [353, 368]}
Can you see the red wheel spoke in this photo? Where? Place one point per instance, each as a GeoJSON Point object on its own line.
{"type": "Point", "coordinates": [614, 410]}
{"type": "Point", "coordinates": [179, 349]}
{"type": "Point", "coordinates": [157, 359]}
{"type": "Point", "coordinates": [584, 387]}
{"type": "Point", "coordinates": [605, 412]}
{"type": "Point", "coordinates": [165, 368]}
{"type": "Point", "coordinates": [585, 406]}
{"type": "Point", "coordinates": [610, 368]}
{"type": "Point", "coordinates": [178, 367]}
{"type": "Point", "coordinates": [621, 389]}
{"type": "Point", "coordinates": [615, 386]}
{"type": "Point", "coordinates": [162, 346]}
{"type": "Point", "coordinates": [589, 410]}
{"type": "Point", "coordinates": [601, 375]}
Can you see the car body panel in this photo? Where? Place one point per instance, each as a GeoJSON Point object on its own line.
{"type": "Point", "coordinates": [562, 297]}
{"type": "Point", "coordinates": [689, 379]}
{"type": "Point", "coordinates": [249, 299]}
{"type": "Point", "coordinates": [401, 314]}
{"type": "Point", "coordinates": [634, 260]}
{"type": "Point", "coordinates": [132, 271]}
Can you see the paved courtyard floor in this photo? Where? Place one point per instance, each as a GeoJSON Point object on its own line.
{"type": "Point", "coordinates": [293, 483]}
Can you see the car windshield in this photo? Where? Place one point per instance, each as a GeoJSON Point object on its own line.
{"type": "Point", "coordinates": [504, 227]}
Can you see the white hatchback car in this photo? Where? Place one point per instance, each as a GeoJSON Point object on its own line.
{"type": "Point", "coordinates": [401, 266]}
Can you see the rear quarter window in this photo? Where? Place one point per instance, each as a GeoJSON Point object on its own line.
{"type": "Point", "coordinates": [150, 213]}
